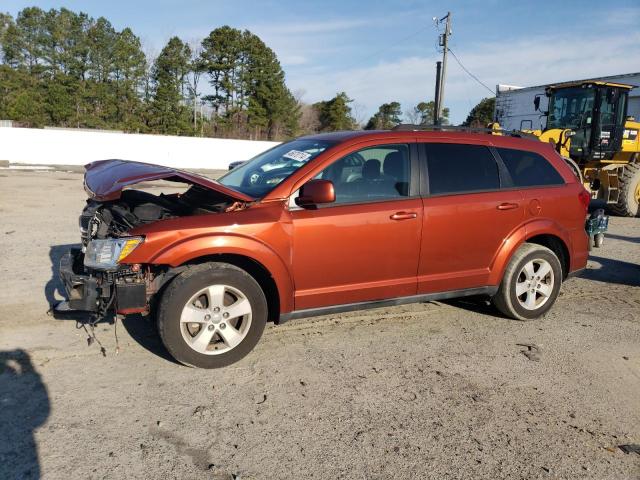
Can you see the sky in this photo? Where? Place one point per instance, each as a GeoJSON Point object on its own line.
{"type": "Point", "coordinates": [383, 51]}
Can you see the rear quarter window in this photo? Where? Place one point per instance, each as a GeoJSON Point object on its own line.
{"type": "Point", "coordinates": [529, 169]}
{"type": "Point", "coordinates": [457, 168]}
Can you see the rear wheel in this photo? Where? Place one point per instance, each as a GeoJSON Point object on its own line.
{"type": "Point", "coordinates": [629, 200]}
{"type": "Point", "coordinates": [531, 283]}
{"type": "Point", "coordinates": [212, 315]}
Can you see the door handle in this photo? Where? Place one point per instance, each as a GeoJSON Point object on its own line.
{"type": "Point", "coordinates": [508, 206]}
{"type": "Point", "coordinates": [403, 215]}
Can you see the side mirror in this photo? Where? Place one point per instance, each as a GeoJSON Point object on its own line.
{"type": "Point", "coordinates": [536, 102]}
{"type": "Point", "coordinates": [315, 192]}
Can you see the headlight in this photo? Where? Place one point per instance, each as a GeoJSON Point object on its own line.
{"type": "Point", "coordinates": [107, 254]}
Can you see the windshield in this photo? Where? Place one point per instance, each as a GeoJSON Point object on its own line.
{"type": "Point", "coordinates": [571, 108]}
{"type": "Point", "coordinates": [258, 176]}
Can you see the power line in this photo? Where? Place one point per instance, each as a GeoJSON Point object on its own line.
{"type": "Point", "coordinates": [469, 73]}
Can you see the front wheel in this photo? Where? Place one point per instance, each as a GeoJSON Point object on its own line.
{"type": "Point", "coordinates": [212, 315]}
{"type": "Point", "coordinates": [531, 283]}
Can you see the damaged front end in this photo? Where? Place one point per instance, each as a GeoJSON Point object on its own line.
{"type": "Point", "coordinates": [125, 289]}
{"type": "Point", "coordinates": [96, 276]}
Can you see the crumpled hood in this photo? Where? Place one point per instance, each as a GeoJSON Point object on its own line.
{"type": "Point", "coordinates": [105, 179]}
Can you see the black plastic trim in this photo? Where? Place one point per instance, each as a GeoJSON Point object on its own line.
{"type": "Point", "coordinates": [424, 171]}
{"type": "Point", "coordinates": [505, 177]}
{"type": "Point", "coordinates": [414, 169]}
{"type": "Point", "coordinates": [350, 307]}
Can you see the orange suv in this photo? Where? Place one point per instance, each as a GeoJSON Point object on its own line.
{"type": "Point", "coordinates": [328, 223]}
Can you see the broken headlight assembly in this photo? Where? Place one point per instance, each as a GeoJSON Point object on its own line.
{"type": "Point", "coordinates": [108, 253]}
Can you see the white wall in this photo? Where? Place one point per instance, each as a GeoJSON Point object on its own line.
{"type": "Point", "coordinates": [78, 147]}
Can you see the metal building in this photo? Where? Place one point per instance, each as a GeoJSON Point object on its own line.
{"type": "Point", "coordinates": [515, 110]}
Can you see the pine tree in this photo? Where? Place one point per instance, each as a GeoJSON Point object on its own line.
{"type": "Point", "coordinates": [481, 114]}
{"type": "Point", "coordinates": [169, 115]}
{"type": "Point", "coordinates": [387, 117]}
{"type": "Point", "coordinates": [68, 69]}
{"type": "Point", "coordinates": [335, 114]}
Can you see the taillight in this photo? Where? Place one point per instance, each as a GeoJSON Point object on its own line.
{"type": "Point", "coordinates": [585, 199]}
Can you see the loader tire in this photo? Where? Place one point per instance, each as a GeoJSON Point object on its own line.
{"type": "Point", "coordinates": [629, 200]}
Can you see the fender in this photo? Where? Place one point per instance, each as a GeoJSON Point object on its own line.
{"type": "Point", "coordinates": [225, 243]}
{"type": "Point", "coordinates": [539, 226]}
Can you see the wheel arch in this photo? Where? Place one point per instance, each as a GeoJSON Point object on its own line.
{"type": "Point", "coordinates": [254, 268]}
{"type": "Point", "coordinates": [256, 258]}
{"type": "Point", "coordinates": [541, 232]}
{"type": "Point", "coordinates": [557, 246]}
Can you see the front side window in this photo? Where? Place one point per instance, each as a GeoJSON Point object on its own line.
{"type": "Point", "coordinates": [371, 174]}
{"type": "Point", "coordinates": [261, 174]}
{"type": "Point", "coordinates": [455, 168]}
{"type": "Point", "coordinates": [528, 169]}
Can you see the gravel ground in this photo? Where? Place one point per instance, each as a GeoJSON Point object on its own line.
{"type": "Point", "coordinates": [433, 390]}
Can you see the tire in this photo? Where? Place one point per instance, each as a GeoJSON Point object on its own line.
{"type": "Point", "coordinates": [628, 201]}
{"type": "Point", "coordinates": [212, 315]}
{"type": "Point", "coordinates": [520, 307]}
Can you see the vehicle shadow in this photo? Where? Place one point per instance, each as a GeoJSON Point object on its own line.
{"type": "Point", "coordinates": [622, 237]}
{"type": "Point", "coordinates": [613, 271]}
{"type": "Point", "coordinates": [477, 304]}
{"type": "Point", "coordinates": [25, 407]}
{"type": "Point", "coordinates": [54, 289]}
{"type": "Point", "coordinates": [145, 332]}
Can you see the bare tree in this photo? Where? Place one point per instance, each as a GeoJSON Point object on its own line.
{"type": "Point", "coordinates": [309, 119]}
{"type": "Point", "coordinates": [413, 116]}
{"type": "Point", "coordinates": [359, 112]}
{"type": "Point", "coordinates": [193, 79]}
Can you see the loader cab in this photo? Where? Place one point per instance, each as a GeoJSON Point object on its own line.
{"type": "Point", "coordinates": [595, 112]}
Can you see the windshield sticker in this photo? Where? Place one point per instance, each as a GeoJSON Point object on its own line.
{"type": "Point", "coordinates": [297, 155]}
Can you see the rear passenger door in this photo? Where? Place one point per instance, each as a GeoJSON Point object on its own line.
{"type": "Point", "coordinates": [466, 217]}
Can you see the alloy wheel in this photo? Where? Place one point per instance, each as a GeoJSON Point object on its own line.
{"type": "Point", "coordinates": [534, 284]}
{"type": "Point", "coordinates": [216, 319]}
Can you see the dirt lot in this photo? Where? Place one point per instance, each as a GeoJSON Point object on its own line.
{"type": "Point", "coordinates": [435, 390]}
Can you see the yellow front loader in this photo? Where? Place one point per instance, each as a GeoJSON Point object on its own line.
{"type": "Point", "coordinates": [587, 123]}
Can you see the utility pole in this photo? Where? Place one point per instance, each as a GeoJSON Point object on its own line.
{"type": "Point", "coordinates": [436, 115]}
{"type": "Point", "coordinates": [444, 43]}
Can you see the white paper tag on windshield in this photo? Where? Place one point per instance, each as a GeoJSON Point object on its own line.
{"type": "Point", "coordinates": [297, 155]}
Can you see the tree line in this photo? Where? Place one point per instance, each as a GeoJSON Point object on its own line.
{"type": "Point", "coordinates": [66, 69]}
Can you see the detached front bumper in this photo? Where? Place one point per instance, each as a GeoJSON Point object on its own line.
{"type": "Point", "coordinates": [96, 291]}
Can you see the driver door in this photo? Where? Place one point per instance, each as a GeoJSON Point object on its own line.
{"type": "Point", "coordinates": [364, 246]}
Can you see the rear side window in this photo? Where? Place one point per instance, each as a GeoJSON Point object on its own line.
{"type": "Point", "coordinates": [528, 169]}
{"type": "Point", "coordinates": [461, 168]}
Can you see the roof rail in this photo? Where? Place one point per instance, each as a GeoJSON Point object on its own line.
{"type": "Point", "coordinates": [408, 127]}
